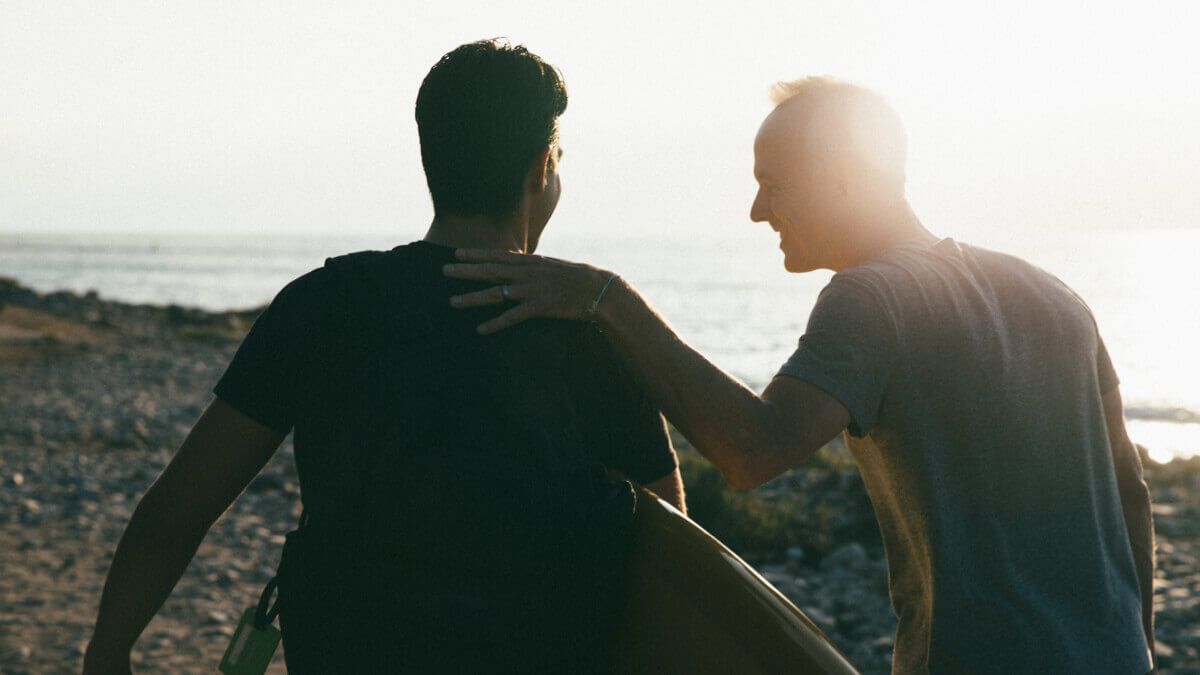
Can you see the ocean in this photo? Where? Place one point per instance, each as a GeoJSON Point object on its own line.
{"type": "Point", "coordinates": [727, 296]}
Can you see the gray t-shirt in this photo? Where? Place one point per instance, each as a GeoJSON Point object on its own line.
{"type": "Point", "coordinates": [974, 381]}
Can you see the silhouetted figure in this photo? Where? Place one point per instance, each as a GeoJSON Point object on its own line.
{"type": "Point", "coordinates": [458, 517]}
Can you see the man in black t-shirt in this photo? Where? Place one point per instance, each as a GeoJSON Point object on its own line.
{"type": "Point", "coordinates": [425, 451]}
{"type": "Point", "coordinates": [282, 374]}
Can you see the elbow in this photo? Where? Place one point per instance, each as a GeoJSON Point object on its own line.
{"type": "Point", "coordinates": [765, 450]}
{"type": "Point", "coordinates": [746, 469]}
{"type": "Point", "coordinates": [761, 457]}
{"type": "Point", "coordinates": [757, 452]}
{"type": "Point", "coordinates": [740, 480]}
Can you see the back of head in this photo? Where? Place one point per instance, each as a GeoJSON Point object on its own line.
{"type": "Point", "coordinates": [849, 124]}
{"type": "Point", "coordinates": [484, 112]}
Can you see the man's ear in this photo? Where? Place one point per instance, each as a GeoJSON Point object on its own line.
{"type": "Point", "coordinates": [539, 172]}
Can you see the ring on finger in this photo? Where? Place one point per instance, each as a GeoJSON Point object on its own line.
{"type": "Point", "coordinates": [505, 292]}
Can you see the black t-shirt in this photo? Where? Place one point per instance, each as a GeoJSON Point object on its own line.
{"type": "Point", "coordinates": [441, 449]}
{"type": "Point", "coordinates": [556, 381]}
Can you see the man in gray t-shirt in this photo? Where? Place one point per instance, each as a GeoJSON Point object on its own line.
{"type": "Point", "coordinates": [975, 391]}
{"type": "Point", "coordinates": [974, 382]}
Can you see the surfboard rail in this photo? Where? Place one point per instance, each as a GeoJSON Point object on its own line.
{"type": "Point", "coordinates": [696, 607]}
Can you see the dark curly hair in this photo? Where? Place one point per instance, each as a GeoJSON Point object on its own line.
{"type": "Point", "coordinates": [484, 112]}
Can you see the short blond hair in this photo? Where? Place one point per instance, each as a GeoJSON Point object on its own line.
{"type": "Point", "coordinates": [865, 124]}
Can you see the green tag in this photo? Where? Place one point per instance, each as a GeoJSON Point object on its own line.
{"type": "Point", "coordinates": [251, 649]}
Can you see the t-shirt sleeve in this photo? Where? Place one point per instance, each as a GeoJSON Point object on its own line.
{"type": "Point", "coordinates": [265, 379]}
{"type": "Point", "coordinates": [628, 431]}
{"type": "Point", "coordinates": [1106, 375]}
{"type": "Point", "coordinates": [847, 351]}
{"type": "Point", "coordinates": [1105, 372]}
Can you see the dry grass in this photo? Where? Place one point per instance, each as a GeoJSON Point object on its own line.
{"type": "Point", "coordinates": [29, 334]}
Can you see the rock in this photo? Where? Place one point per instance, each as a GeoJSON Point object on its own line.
{"type": "Point", "coordinates": [1164, 653]}
{"type": "Point", "coordinates": [217, 632]}
{"type": "Point", "coordinates": [7, 288]}
{"type": "Point", "coordinates": [848, 557]}
{"type": "Point", "coordinates": [31, 512]}
{"type": "Point", "coordinates": [819, 617]}
{"type": "Point", "coordinates": [266, 482]}
{"type": "Point", "coordinates": [848, 620]}
{"type": "Point", "coordinates": [17, 479]}
{"type": "Point", "coordinates": [227, 578]}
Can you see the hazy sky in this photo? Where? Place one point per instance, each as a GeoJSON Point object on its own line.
{"type": "Point", "coordinates": [297, 116]}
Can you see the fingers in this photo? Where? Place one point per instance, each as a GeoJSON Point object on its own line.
{"type": "Point", "coordinates": [484, 298]}
{"type": "Point", "coordinates": [508, 319]}
{"type": "Point", "coordinates": [493, 255]}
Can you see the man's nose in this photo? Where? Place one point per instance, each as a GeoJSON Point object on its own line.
{"type": "Point", "coordinates": [759, 209]}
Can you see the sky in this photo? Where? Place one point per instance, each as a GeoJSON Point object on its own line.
{"type": "Point", "coordinates": [296, 117]}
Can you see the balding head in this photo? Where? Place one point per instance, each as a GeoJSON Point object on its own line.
{"type": "Point", "coordinates": [830, 121]}
{"type": "Point", "coordinates": [829, 161]}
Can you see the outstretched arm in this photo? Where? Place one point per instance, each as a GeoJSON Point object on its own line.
{"type": "Point", "coordinates": [750, 438]}
{"type": "Point", "coordinates": [221, 455]}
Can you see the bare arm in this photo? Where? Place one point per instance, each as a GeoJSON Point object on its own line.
{"type": "Point", "coordinates": [1135, 503]}
{"type": "Point", "coordinates": [223, 452]}
{"type": "Point", "coordinates": [750, 438]}
{"type": "Point", "coordinates": [669, 488]}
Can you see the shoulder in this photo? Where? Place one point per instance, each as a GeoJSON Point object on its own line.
{"type": "Point", "coordinates": [307, 295]}
{"type": "Point", "coordinates": [863, 287]}
{"type": "Point", "coordinates": [320, 290]}
{"type": "Point", "coordinates": [359, 262]}
{"type": "Point", "coordinates": [1015, 271]}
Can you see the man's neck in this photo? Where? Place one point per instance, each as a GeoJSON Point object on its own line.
{"type": "Point", "coordinates": [478, 232]}
{"type": "Point", "coordinates": [896, 225]}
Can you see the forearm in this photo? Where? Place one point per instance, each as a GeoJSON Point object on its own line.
{"type": "Point", "coordinates": [148, 562]}
{"type": "Point", "coordinates": [724, 420]}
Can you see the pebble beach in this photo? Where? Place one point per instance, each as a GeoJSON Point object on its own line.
{"type": "Point", "coordinates": [96, 395]}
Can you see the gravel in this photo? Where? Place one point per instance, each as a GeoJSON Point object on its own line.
{"type": "Point", "coordinates": [97, 396]}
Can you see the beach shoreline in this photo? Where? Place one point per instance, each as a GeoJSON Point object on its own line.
{"type": "Point", "coordinates": [99, 394]}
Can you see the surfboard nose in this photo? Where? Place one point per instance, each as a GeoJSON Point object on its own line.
{"type": "Point", "coordinates": [694, 606]}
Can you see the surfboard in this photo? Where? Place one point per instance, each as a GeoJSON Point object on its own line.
{"type": "Point", "coordinates": [696, 607]}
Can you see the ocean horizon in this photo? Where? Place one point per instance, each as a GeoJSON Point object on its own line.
{"type": "Point", "coordinates": [728, 296]}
